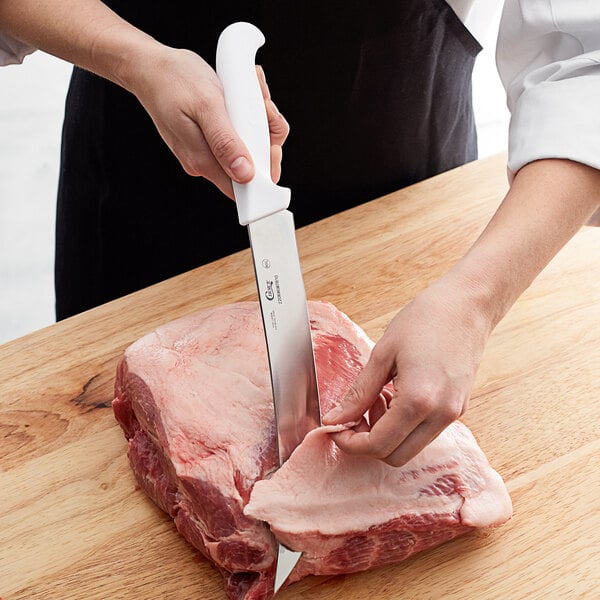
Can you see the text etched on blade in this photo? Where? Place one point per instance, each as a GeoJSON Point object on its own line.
{"type": "Point", "coordinates": [272, 289]}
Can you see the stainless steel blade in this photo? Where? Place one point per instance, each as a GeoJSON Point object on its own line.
{"type": "Point", "coordinates": [287, 329]}
{"type": "Point", "coordinates": [286, 561]}
{"type": "Point", "coordinates": [261, 205]}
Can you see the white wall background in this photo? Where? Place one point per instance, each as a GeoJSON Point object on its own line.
{"type": "Point", "coordinates": [31, 110]}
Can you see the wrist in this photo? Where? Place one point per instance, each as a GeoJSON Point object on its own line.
{"type": "Point", "coordinates": [473, 292]}
{"type": "Point", "coordinates": [486, 289]}
{"type": "Point", "coordinates": [126, 57]}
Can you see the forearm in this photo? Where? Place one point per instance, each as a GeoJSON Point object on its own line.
{"type": "Point", "coordinates": [548, 202]}
{"type": "Point", "coordinates": [84, 32]}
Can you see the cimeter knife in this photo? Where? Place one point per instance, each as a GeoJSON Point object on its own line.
{"type": "Point", "coordinates": [262, 206]}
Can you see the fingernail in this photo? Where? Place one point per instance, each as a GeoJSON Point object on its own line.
{"type": "Point", "coordinates": [241, 168]}
{"type": "Point", "coordinates": [331, 416]}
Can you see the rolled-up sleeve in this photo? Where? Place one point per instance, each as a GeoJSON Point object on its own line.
{"type": "Point", "coordinates": [548, 57]}
{"type": "Point", "coordinates": [13, 51]}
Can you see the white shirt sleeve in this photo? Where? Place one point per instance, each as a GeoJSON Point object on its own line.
{"type": "Point", "coordinates": [12, 51]}
{"type": "Point", "coordinates": [548, 57]}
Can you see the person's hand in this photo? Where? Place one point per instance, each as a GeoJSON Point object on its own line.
{"type": "Point", "coordinates": [184, 97]}
{"type": "Point", "coordinates": [430, 352]}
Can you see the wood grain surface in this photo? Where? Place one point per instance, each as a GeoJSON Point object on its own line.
{"type": "Point", "coordinates": [73, 525]}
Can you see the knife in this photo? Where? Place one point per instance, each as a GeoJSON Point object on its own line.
{"type": "Point", "coordinates": [262, 206]}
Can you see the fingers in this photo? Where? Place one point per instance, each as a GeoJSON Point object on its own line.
{"type": "Point", "coordinates": [405, 428]}
{"type": "Point", "coordinates": [363, 392]}
{"type": "Point", "coordinates": [276, 155]}
{"type": "Point", "coordinates": [416, 441]}
{"type": "Point", "coordinates": [361, 442]}
{"type": "Point", "coordinates": [227, 147]}
{"type": "Point", "coordinates": [187, 142]}
{"type": "Point", "coordinates": [202, 138]}
{"type": "Point", "coordinates": [278, 126]}
{"type": "Point", "coordinates": [362, 425]}
{"type": "Point", "coordinates": [378, 409]}
{"type": "Point", "coordinates": [262, 80]}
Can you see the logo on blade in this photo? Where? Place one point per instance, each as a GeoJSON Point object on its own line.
{"type": "Point", "coordinates": [269, 294]}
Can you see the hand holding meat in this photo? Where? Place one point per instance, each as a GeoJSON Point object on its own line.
{"type": "Point", "coordinates": [430, 352]}
{"type": "Point", "coordinates": [432, 348]}
{"type": "Point", "coordinates": [193, 121]}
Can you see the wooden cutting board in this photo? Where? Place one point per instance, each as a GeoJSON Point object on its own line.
{"type": "Point", "coordinates": [73, 525]}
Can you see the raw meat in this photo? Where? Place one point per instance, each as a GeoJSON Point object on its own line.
{"type": "Point", "coordinates": [194, 401]}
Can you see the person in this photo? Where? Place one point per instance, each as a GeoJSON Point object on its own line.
{"type": "Point", "coordinates": [379, 97]}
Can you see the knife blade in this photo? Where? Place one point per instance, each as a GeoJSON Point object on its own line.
{"type": "Point", "coordinates": [262, 207]}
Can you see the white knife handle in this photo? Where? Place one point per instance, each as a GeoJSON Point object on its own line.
{"type": "Point", "coordinates": [236, 52]}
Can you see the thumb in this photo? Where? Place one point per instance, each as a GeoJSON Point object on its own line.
{"type": "Point", "coordinates": [228, 149]}
{"type": "Point", "coordinates": [362, 394]}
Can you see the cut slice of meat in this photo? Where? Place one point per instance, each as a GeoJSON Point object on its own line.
{"type": "Point", "coordinates": [194, 401]}
{"type": "Point", "coordinates": [351, 513]}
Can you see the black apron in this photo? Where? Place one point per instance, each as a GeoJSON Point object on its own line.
{"type": "Point", "coordinates": [377, 93]}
